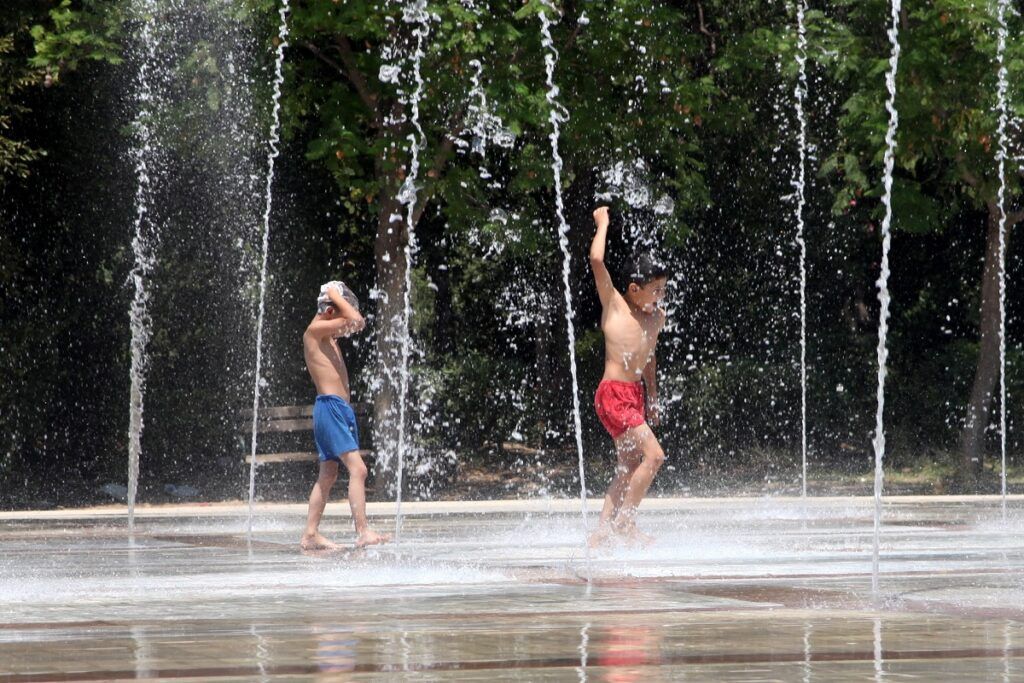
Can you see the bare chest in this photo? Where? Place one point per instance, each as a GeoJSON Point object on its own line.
{"type": "Point", "coordinates": [631, 333]}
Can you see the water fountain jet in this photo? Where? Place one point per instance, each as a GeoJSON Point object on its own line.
{"type": "Point", "coordinates": [556, 117]}
{"type": "Point", "coordinates": [798, 182]}
{"type": "Point", "coordinates": [883, 286]}
{"type": "Point", "coordinates": [1001, 158]}
{"type": "Point", "coordinates": [142, 246]}
{"type": "Point", "coordinates": [272, 155]}
{"type": "Point", "coordinates": [416, 13]}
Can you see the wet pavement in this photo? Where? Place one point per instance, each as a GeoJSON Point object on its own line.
{"type": "Point", "coordinates": [731, 590]}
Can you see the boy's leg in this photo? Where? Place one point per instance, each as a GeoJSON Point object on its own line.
{"type": "Point", "coordinates": [640, 481]}
{"type": "Point", "coordinates": [311, 538]}
{"type": "Point", "coordinates": [357, 500]}
{"type": "Point", "coordinates": [628, 456]}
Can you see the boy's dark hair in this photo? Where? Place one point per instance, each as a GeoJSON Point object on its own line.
{"type": "Point", "coordinates": [643, 270]}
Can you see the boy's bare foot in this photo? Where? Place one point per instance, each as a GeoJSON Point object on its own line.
{"type": "Point", "coordinates": [633, 536]}
{"type": "Point", "coordinates": [370, 537]}
{"type": "Point", "coordinates": [600, 537]}
{"type": "Point", "coordinates": [317, 542]}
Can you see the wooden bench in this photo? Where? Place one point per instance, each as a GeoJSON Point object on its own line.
{"type": "Point", "coordinates": [296, 420]}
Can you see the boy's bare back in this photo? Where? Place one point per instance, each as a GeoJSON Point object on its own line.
{"type": "Point", "coordinates": [326, 364]}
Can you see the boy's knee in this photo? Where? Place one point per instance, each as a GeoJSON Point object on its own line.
{"type": "Point", "coordinates": [629, 460]}
{"type": "Point", "coordinates": [357, 469]}
{"type": "Point", "coordinates": [655, 457]}
{"type": "Point", "coordinates": [328, 470]}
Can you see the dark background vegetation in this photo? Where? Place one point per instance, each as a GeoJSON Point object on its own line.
{"type": "Point", "coordinates": [707, 107]}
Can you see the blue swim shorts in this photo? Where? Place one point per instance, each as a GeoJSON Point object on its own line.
{"type": "Point", "coordinates": [334, 427]}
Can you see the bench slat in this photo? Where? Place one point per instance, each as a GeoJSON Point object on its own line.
{"type": "Point", "coordinates": [285, 412]}
{"type": "Point", "coordinates": [304, 424]}
{"type": "Point", "coordinates": [279, 412]}
{"type": "Point", "coordinates": [292, 457]}
{"type": "Point", "coordinates": [290, 412]}
{"type": "Point", "coordinates": [520, 448]}
{"type": "Point", "coordinates": [281, 419]}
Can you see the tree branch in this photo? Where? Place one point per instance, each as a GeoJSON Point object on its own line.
{"type": "Point", "coordinates": [1012, 218]}
{"type": "Point", "coordinates": [703, 27]}
{"type": "Point", "coordinates": [319, 54]}
{"type": "Point", "coordinates": [352, 72]}
{"type": "Point", "coordinates": [444, 153]}
{"type": "Point", "coordinates": [572, 38]}
{"type": "Point", "coordinates": [967, 176]}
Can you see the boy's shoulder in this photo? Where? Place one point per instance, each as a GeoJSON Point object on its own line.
{"type": "Point", "coordinates": [617, 298]}
{"type": "Point", "coordinates": [617, 305]}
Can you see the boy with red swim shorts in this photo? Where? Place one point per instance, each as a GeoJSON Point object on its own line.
{"type": "Point", "coordinates": [626, 400]}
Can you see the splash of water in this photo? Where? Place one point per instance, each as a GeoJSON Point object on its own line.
{"type": "Point", "coordinates": [1007, 647]}
{"type": "Point", "coordinates": [275, 138]}
{"type": "Point", "coordinates": [883, 283]}
{"type": "Point", "coordinates": [557, 116]}
{"type": "Point", "coordinates": [1001, 157]}
{"type": "Point", "coordinates": [878, 652]}
{"type": "Point", "coordinates": [415, 13]}
{"type": "Point", "coordinates": [807, 652]}
{"type": "Point", "coordinates": [485, 126]}
{"type": "Point", "coordinates": [799, 184]}
{"type": "Point", "coordinates": [478, 109]}
{"type": "Point", "coordinates": [583, 649]}
{"type": "Point", "coordinates": [142, 246]}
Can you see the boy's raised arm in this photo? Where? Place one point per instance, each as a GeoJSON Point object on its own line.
{"type": "Point", "coordinates": [350, 322]}
{"type": "Point", "coordinates": [346, 309]}
{"type": "Point", "coordinates": [602, 278]}
{"type": "Point", "coordinates": [336, 327]}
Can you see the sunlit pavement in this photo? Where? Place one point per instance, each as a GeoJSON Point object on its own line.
{"type": "Point", "coordinates": [738, 589]}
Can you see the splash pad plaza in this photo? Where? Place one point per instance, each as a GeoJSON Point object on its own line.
{"type": "Point", "coordinates": [732, 588]}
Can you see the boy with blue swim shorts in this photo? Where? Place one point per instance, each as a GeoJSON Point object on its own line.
{"type": "Point", "coordinates": [334, 422]}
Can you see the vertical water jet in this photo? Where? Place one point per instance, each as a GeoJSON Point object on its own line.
{"type": "Point", "coordinates": [272, 155]}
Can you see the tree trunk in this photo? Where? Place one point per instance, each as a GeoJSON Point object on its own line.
{"type": "Point", "coordinates": [972, 438]}
{"type": "Point", "coordinates": [389, 256]}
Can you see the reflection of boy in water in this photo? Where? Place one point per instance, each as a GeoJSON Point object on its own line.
{"type": "Point", "coordinates": [625, 652]}
{"type": "Point", "coordinates": [334, 422]}
{"type": "Point", "coordinates": [335, 649]}
{"type": "Point", "coordinates": [627, 398]}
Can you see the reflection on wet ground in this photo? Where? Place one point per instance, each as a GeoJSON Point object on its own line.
{"type": "Point", "coordinates": [733, 590]}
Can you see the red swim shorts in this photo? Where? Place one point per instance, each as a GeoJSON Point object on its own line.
{"type": "Point", "coordinates": [619, 405]}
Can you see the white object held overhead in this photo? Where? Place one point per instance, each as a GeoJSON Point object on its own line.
{"type": "Point", "coordinates": [324, 300]}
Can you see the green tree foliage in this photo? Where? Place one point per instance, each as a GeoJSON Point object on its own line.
{"type": "Point", "coordinates": [696, 98]}
{"type": "Point", "coordinates": [946, 155]}
{"type": "Point", "coordinates": [946, 98]}
{"type": "Point", "coordinates": [37, 42]}
{"type": "Point", "coordinates": [76, 32]}
{"type": "Point", "coordinates": [16, 76]}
